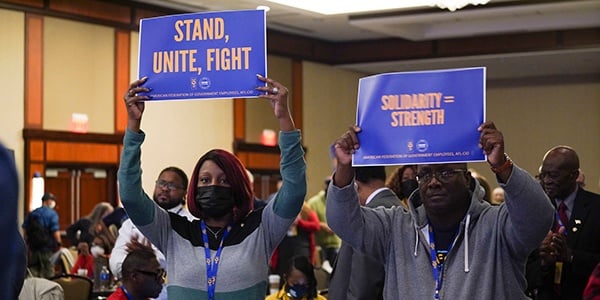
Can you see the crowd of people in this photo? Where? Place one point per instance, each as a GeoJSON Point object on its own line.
{"type": "Point", "coordinates": [426, 231]}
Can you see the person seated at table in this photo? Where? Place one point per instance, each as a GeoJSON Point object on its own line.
{"type": "Point", "coordinates": [84, 230]}
{"type": "Point", "coordinates": [300, 282]}
{"type": "Point", "coordinates": [98, 252]}
{"type": "Point", "coordinates": [84, 265]}
{"type": "Point", "coordinates": [142, 274]}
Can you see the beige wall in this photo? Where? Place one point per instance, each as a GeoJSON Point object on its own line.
{"type": "Point", "coordinates": [329, 108]}
{"type": "Point", "coordinates": [12, 72]}
{"type": "Point", "coordinates": [179, 132]}
{"type": "Point", "coordinates": [536, 117]}
{"type": "Point", "coordinates": [133, 57]}
{"type": "Point", "coordinates": [259, 113]}
{"type": "Point", "coordinates": [78, 74]}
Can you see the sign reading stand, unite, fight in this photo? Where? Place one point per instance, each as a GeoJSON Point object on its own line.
{"type": "Point", "coordinates": [203, 55]}
{"type": "Point", "coordinates": [420, 117]}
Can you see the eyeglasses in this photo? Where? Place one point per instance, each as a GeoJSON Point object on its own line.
{"type": "Point", "coordinates": [554, 175]}
{"type": "Point", "coordinates": [160, 275]}
{"type": "Point", "coordinates": [442, 176]}
{"type": "Point", "coordinates": [169, 185]}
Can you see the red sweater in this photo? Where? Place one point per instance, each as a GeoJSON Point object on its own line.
{"type": "Point", "coordinates": [592, 290]}
{"type": "Point", "coordinates": [84, 262]}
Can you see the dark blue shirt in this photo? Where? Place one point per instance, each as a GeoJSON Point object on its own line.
{"type": "Point", "coordinates": [46, 216]}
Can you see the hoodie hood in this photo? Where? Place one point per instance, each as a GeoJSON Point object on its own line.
{"type": "Point", "coordinates": [476, 207]}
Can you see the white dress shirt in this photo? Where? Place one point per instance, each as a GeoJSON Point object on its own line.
{"type": "Point", "coordinates": [126, 232]}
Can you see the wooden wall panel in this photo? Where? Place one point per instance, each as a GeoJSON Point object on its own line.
{"type": "Point", "coordinates": [497, 44]}
{"type": "Point", "coordinates": [34, 3]}
{"type": "Point", "coordinates": [292, 46]}
{"type": "Point", "coordinates": [35, 167]}
{"type": "Point", "coordinates": [266, 161]}
{"type": "Point", "coordinates": [581, 37]}
{"type": "Point", "coordinates": [141, 13]}
{"type": "Point", "coordinates": [387, 49]}
{"type": "Point", "coordinates": [122, 66]}
{"type": "Point", "coordinates": [243, 157]}
{"type": "Point", "coordinates": [36, 151]}
{"type": "Point", "coordinates": [239, 119]}
{"type": "Point", "coordinates": [81, 152]}
{"type": "Point", "coordinates": [94, 9]}
{"type": "Point", "coordinates": [34, 81]}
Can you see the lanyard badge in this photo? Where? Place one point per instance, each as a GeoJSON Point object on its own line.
{"type": "Point", "coordinates": [212, 264]}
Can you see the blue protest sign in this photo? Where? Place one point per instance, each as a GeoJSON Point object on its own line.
{"type": "Point", "coordinates": [203, 55]}
{"type": "Point", "coordinates": [420, 117]}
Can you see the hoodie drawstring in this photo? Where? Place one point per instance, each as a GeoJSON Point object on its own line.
{"type": "Point", "coordinates": [467, 243]}
{"type": "Point", "coordinates": [467, 223]}
{"type": "Point", "coordinates": [416, 240]}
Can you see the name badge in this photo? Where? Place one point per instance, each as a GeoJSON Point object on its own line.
{"type": "Point", "coordinates": [557, 272]}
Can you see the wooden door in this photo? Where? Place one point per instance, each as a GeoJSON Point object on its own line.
{"type": "Point", "coordinates": [60, 183]}
{"type": "Point", "coordinates": [77, 191]}
{"type": "Point", "coordinates": [93, 189]}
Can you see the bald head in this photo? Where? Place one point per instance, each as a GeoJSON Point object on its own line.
{"type": "Point", "coordinates": [559, 171]}
{"type": "Point", "coordinates": [567, 155]}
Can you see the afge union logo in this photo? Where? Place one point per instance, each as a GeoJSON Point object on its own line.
{"type": "Point", "coordinates": [422, 145]}
{"type": "Point", "coordinates": [204, 83]}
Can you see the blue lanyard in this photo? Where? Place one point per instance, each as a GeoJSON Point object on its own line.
{"type": "Point", "coordinates": [127, 294]}
{"type": "Point", "coordinates": [212, 264]}
{"type": "Point", "coordinates": [437, 267]}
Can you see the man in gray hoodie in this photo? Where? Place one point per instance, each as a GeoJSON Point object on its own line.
{"type": "Point", "coordinates": [455, 245]}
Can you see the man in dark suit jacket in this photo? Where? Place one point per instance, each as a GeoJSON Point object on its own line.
{"type": "Point", "coordinates": [356, 276]}
{"type": "Point", "coordinates": [570, 252]}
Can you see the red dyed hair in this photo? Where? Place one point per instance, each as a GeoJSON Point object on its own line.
{"type": "Point", "coordinates": [236, 177]}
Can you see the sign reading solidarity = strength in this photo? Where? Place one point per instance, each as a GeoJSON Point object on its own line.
{"type": "Point", "coordinates": [203, 55]}
{"type": "Point", "coordinates": [420, 117]}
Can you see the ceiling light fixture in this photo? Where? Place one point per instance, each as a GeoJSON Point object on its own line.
{"type": "Point", "coordinates": [263, 7]}
{"type": "Point", "coordinates": [335, 7]}
{"type": "Point", "coordinates": [453, 5]}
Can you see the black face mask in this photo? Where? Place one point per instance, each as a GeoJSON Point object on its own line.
{"type": "Point", "coordinates": [296, 291]}
{"type": "Point", "coordinates": [409, 186]}
{"type": "Point", "coordinates": [214, 200]}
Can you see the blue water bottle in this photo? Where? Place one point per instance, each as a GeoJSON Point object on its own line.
{"type": "Point", "coordinates": [104, 279]}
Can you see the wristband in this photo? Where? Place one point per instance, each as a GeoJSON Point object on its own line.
{"type": "Point", "coordinates": [505, 166]}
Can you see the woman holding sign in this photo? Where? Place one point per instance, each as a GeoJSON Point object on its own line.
{"type": "Point", "coordinates": [224, 254]}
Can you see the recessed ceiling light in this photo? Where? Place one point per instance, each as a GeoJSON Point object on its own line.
{"type": "Point", "coordinates": [263, 7]}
